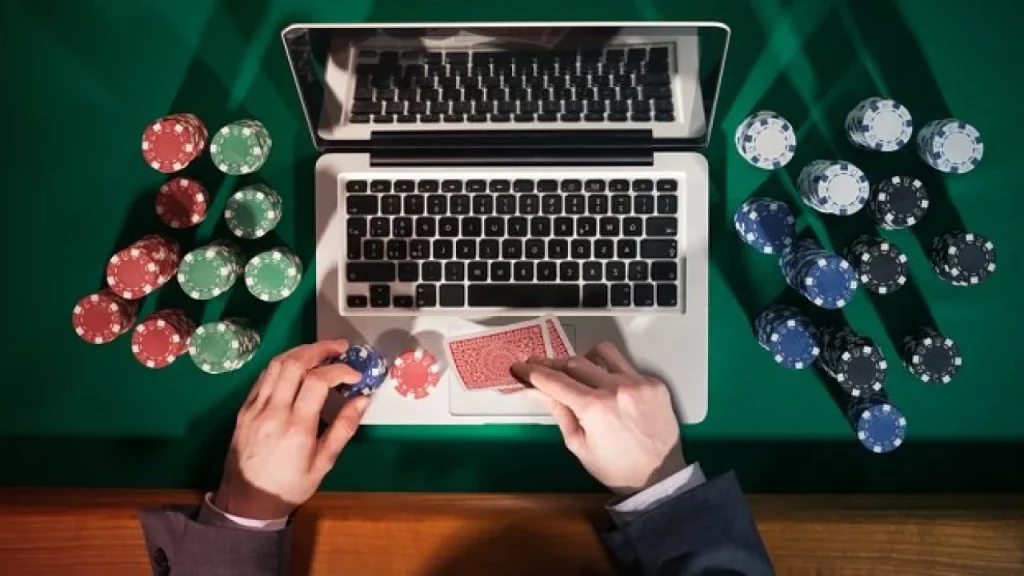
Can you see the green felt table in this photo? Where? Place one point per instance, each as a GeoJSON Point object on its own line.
{"type": "Point", "coordinates": [83, 78]}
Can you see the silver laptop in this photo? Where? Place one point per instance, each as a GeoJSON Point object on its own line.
{"type": "Point", "coordinates": [474, 175]}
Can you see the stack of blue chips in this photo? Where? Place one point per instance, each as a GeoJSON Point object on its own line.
{"type": "Point", "coordinates": [824, 278]}
{"type": "Point", "coordinates": [369, 363]}
{"type": "Point", "coordinates": [880, 426]}
{"type": "Point", "coordinates": [788, 336]}
{"type": "Point", "coordinates": [766, 224]}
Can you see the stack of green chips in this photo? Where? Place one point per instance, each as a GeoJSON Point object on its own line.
{"type": "Point", "coordinates": [211, 270]}
{"type": "Point", "coordinates": [273, 275]}
{"type": "Point", "coordinates": [253, 211]}
{"type": "Point", "coordinates": [219, 347]}
{"type": "Point", "coordinates": [241, 147]}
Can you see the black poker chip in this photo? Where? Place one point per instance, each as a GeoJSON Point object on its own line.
{"type": "Point", "coordinates": [854, 361]}
{"type": "Point", "coordinates": [963, 258]}
{"type": "Point", "coordinates": [932, 357]}
{"type": "Point", "coordinates": [880, 265]}
{"type": "Point", "coordinates": [899, 202]}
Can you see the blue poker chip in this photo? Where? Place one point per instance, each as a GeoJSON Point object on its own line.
{"type": "Point", "coordinates": [881, 428]}
{"type": "Point", "coordinates": [765, 224]}
{"type": "Point", "coordinates": [369, 363]}
{"type": "Point", "coordinates": [790, 338]}
{"type": "Point", "coordinates": [824, 278]}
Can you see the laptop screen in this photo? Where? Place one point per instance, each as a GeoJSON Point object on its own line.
{"type": "Point", "coordinates": [658, 80]}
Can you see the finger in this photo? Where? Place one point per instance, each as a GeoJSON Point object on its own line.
{"type": "Point", "coordinates": [608, 356]}
{"type": "Point", "coordinates": [583, 370]}
{"type": "Point", "coordinates": [316, 386]}
{"type": "Point", "coordinates": [340, 432]}
{"type": "Point", "coordinates": [556, 384]}
{"type": "Point", "coordinates": [293, 367]}
{"type": "Point", "coordinates": [268, 373]}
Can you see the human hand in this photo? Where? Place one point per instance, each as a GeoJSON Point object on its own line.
{"type": "Point", "coordinates": [619, 423]}
{"type": "Point", "coordinates": [276, 462]}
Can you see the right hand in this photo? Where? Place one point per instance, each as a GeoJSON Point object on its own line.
{"type": "Point", "coordinates": [619, 423]}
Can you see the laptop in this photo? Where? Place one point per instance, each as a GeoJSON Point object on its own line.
{"type": "Point", "coordinates": [477, 175]}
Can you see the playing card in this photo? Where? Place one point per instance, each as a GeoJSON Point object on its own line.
{"type": "Point", "coordinates": [560, 346]}
{"type": "Point", "coordinates": [483, 360]}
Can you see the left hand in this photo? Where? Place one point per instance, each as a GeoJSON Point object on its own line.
{"type": "Point", "coordinates": [276, 462]}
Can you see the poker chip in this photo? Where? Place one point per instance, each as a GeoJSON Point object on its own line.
{"type": "Point", "coordinates": [766, 140]}
{"type": "Point", "coordinates": [273, 275]}
{"type": "Point", "coordinates": [161, 338]}
{"type": "Point", "coordinates": [879, 124]}
{"type": "Point", "coordinates": [101, 317]}
{"type": "Point", "coordinates": [950, 146]}
{"type": "Point", "coordinates": [834, 187]}
{"type": "Point", "coordinates": [253, 211]}
{"type": "Point", "coordinates": [171, 143]}
{"type": "Point", "coordinates": [416, 373]}
{"type": "Point", "coordinates": [788, 336]}
{"type": "Point", "coordinates": [963, 258]}
{"type": "Point", "coordinates": [880, 265]}
{"type": "Point", "coordinates": [899, 202]}
{"type": "Point", "coordinates": [880, 426]}
{"type": "Point", "coordinates": [241, 147]}
{"type": "Point", "coordinates": [142, 267]}
{"type": "Point", "coordinates": [182, 203]}
{"type": "Point", "coordinates": [855, 362]}
{"type": "Point", "coordinates": [224, 346]}
{"type": "Point", "coordinates": [211, 270]}
{"type": "Point", "coordinates": [371, 366]}
{"type": "Point", "coordinates": [824, 278]}
{"type": "Point", "coordinates": [765, 224]}
{"type": "Point", "coordinates": [932, 357]}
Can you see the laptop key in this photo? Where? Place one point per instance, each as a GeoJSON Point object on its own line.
{"type": "Point", "coordinates": [643, 204]}
{"type": "Point", "coordinates": [551, 204]}
{"type": "Point", "coordinates": [668, 204]}
{"type": "Point", "coordinates": [451, 186]}
{"type": "Point", "coordinates": [592, 271]}
{"type": "Point", "coordinates": [443, 249]}
{"type": "Point", "coordinates": [524, 296]}
{"type": "Point", "coordinates": [380, 227]}
{"type": "Point", "coordinates": [472, 227]}
{"type": "Point", "coordinates": [540, 226]}
{"type": "Point", "coordinates": [615, 271]}
{"type": "Point", "coordinates": [595, 296]}
{"type": "Point", "coordinates": [535, 249]}
{"type": "Point", "coordinates": [437, 205]}
{"type": "Point", "coordinates": [370, 271]}
{"type": "Point", "coordinates": [426, 227]}
{"type": "Point", "coordinates": [621, 295]}
{"type": "Point", "coordinates": [547, 271]}
{"type": "Point", "coordinates": [465, 249]}
{"type": "Point", "coordinates": [564, 227]}
{"type": "Point", "coordinates": [609, 226]}
{"type": "Point", "coordinates": [529, 204]}
{"type": "Point", "coordinates": [454, 271]}
{"type": "Point", "coordinates": [408, 272]}
{"type": "Point", "coordinates": [489, 250]}
{"type": "Point", "coordinates": [501, 271]}
{"type": "Point", "coordinates": [448, 227]}
{"type": "Point", "coordinates": [396, 250]}
{"type": "Point", "coordinates": [625, 249]}
{"type": "Point", "coordinates": [357, 301]}
{"type": "Point", "coordinates": [373, 249]}
{"type": "Point", "coordinates": [604, 249]}
{"type": "Point", "coordinates": [419, 249]}
{"type": "Point", "coordinates": [477, 271]}
{"type": "Point", "coordinates": [664, 117]}
{"type": "Point", "coordinates": [546, 117]}
{"type": "Point", "coordinates": [662, 226]}
{"type": "Point", "coordinates": [426, 296]}
{"type": "Point", "coordinates": [640, 117]}
{"type": "Point", "coordinates": [617, 117]}
{"type": "Point", "coordinates": [359, 118]}
{"type": "Point", "coordinates": [380, 296]}
{"type": "Point", "coordinates": [511, 249]}
{"type": "Point", "coordinates": [361, 205]}
{"type": "Point", "coordinates": [483, 205]}
{"type": "Point", "coordinates": [580, 249]}
{"type": "Point", "coordinates": [505, 204]}
{"type": "Point", "coordinates": [586, 226]}
{"type": "Point", "coordinates": [637, 270]}
{"type": "Point", "coordinates": [658, 249]}
{"type": "Point", "coordinates": [522, 271]}
{"type": "Point", "coordinates": [494, 227]}
{"type": "Point", "coordinates": [558, 249]}
{"type": "Point", "coordinates": [567, 117]}
{"type": "Point", "coordinates": [632, 226]}
{"type": "Point", "coordinates": [452, 296]}
{"type": "Point", "coordinates": [575, 204]}
{"type": "Point", "coordinates": [643, 295]}
{"type": "Point", "coordinates": [414, 205]}
{"type": "Point", "coordinates": [500, 186]}
{"type": "Point", "coordinates": [518, 227]}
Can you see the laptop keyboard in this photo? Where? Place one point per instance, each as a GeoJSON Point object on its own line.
{"type": "Point", "coordinates": [449, 243]}
{"type": "Point", "coordinates": [436, 87]}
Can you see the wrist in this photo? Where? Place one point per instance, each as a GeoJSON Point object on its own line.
{"type": "Point", "coordinates": [242, 503]}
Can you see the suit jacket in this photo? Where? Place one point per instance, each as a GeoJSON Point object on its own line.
{"type": "Point", "coordinates": [706, 531]}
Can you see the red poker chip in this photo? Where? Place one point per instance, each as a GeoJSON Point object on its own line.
{"type": "Point", "coordinates": [101, 317]}
{"type": "Point", "coordinates": [160, 339]}
{"type": "Point", "coordinates": [416, 372]}
{"type": "Point", "coordinates": [169, 145]}
{"type": "Point", "coordinates": [182, 203]}
{"type": "Point", "coordinates": [133, 273]}
{"type": "Point", "coordinates": [165, 252]}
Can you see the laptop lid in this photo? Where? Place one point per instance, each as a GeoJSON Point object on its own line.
{"type": "Point", "coordinates": [327, 61]}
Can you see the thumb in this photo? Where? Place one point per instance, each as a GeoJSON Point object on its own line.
{"type": "Point", "coordinates": [340, 432]}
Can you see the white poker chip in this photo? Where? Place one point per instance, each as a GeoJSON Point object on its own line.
{"type": "Point", "coordinates": [766, 140]}
{"type": "Point", "coordinates": [950, 146]}
{"type": "Point", "coordinates": [880, 124]}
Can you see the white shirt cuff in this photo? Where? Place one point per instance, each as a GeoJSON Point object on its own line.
{"type": "Point", "coordinates": [213, 516]}
{"type": "Point", "coordinates": [629, 509]}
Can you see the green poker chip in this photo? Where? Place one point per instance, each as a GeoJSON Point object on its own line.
{"type": "Point", "coordinates": [253, 211]}
{"type": "Point", "coordinates": [209, 271]}
{"type": "Point", "coordinates": [223, 346]}
{"type": "Point", "coordinates": [273, 275]}
{"type": "Point", "coordinates": [241, 147]}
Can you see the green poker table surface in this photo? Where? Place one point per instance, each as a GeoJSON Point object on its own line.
{"type": "Point", "coordinates": [83, 79]}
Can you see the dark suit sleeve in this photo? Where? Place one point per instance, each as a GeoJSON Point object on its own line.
{"type": "Point", "coordinates": [179, 545]}
{"type": "Point", "coordinates": [705, 531]}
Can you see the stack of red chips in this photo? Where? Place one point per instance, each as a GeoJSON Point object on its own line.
{"type": "Point", "coordinates": [143, 267]}
{"type": "Point", "coordinates": [101, 317]}
{"type": "Point", "coordinates": [171, 143]}
{"type": "Point", "coordinates": [161, 338]}
{"type": "Point", "coordinates": [182, 203]}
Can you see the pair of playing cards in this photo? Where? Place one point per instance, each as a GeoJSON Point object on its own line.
{"type": "Point", "coordinates": [483, 361]}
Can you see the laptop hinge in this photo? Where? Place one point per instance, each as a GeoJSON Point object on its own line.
{"type": "Point", "coordinates": [513, 148]}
